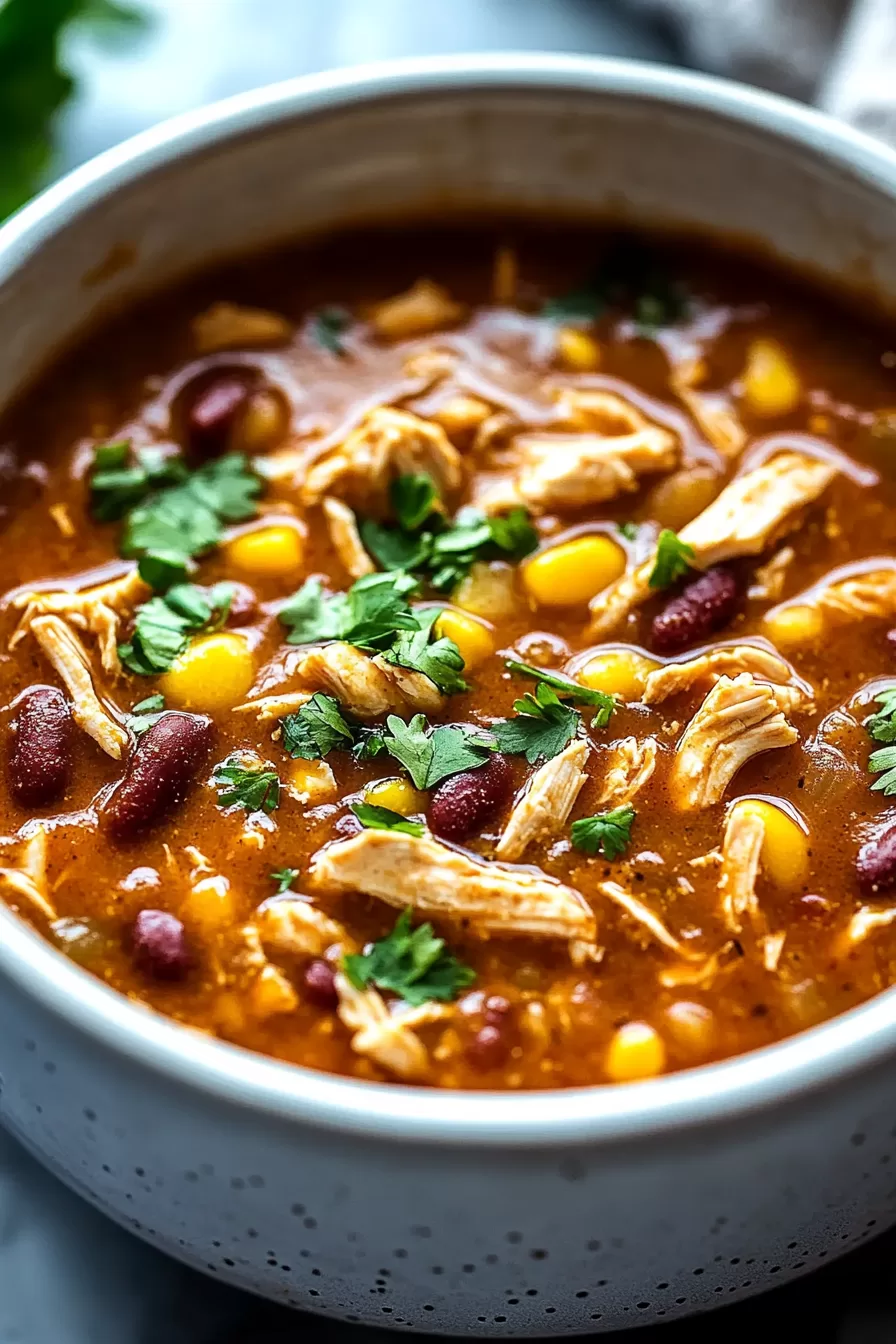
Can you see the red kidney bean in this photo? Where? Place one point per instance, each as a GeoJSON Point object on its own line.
{"type": "Point", "coordinates": [158, 773]}
{"type": "Point", "coordinates": [462, 804]}
{"type": "Point", "coordinates": [211, 412]}
{"type": "Point", "coordinates": [876, 862]}
{"type": "Point", "coordinates": [489, 1048]}
{"type": "Point", "coordinates": [40, 761]}
{"type": "Point", "coordinates": [319, 984]}
{"type": "Point", "coordinates": [243, 604]}
{"type": "Point", "coordinates": [159, 944]}
{"type": "Point", "coordinates": [703, 606]}
{"type": "Point", "coordinates": [496, 1009]}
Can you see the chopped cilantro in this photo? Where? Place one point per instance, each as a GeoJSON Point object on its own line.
{"type": "Point", "coordinates": [318, 728]}
{"type": "Point", "coordinates": [629, 277]}
{"type": "Point", "coordinates": [882, 725]}
{"type": "Point", "coordinates": [608, 833]}
{"type": "Point", "coordinates": [412, 964]}
{"type": "Point", "coordinates": [440, 660]}
{"type": "Point", "coordinates": [884, 760]}
{"type": "Point", "coordinates": [673, 559]}
{"type": "Point", "coordinates": [628, 530]}
{"type": "Point", "coordinates": [119, 480]}
{"type": "Point", "coordinates": [151, 705]}
{"type": "Point", "coordinates": [571, 690]}
{"type": "Point", "coordinates": [430, 757]}
{"type": "Point", "coordinates": [163, 625]}
{"type": "Point", "coordinates": [414, 498]}
{"type": "Point", "coordinates": [368, 615]}
{"type": "Point", "coordinates": [327, 327]}
{"type": "Point", "coordinates": [544, 726]}
{"type": "Point", "coordinates": [145, 713]}
{"type": "Point", "coordinates": [284, 877]}
{"type": "Point", "coordinates": [376, 818]}
{"type": "Point", "coordinates": [254, 787]}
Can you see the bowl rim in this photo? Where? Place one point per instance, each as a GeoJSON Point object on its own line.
{"type": "Point", "coordinates": [820, 1058]}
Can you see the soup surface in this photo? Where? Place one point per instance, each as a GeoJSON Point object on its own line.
{"type": "Point", "coordinates": [462, 655]}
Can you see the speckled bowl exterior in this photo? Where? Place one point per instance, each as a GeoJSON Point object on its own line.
{"type": "Point", "coordinates": [533, 1214]}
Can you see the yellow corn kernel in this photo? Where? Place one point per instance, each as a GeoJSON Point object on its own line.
{"type": "Point", "coordinates": [214, 673]}
{"type": "Point", "coordinates": [396, 794]}
{"type": "Point", "coordinates": [310, 782]}
{"type": "Point", "coordinates": [210, 905]}
{"type": "Point", "coordinates": [424, 307]}
{"type": "Point", "coordinates": [267, 552]}
{"type": "Point", "coordinates": [472, 637]}
{"type": "Point", "coordinates": [771, 385]}
{"type": "Point", "coordinates": [784, 856]}
{"type": "Point", "coordinates": [678, 498]}
{"type": "Point", "coordinates": [461, 415]}
{"type": "Point", "coordinates": [619, 672]}
{"type": "Point", "coordinates": [262, 424]}
{"type": "Point", "coordinates": [577, 350]}
{"type": "Point", "coordinates": [789, 627]}
{"type": "Point", "coordinates": [489, 591]}
{"type": "Point", "coordinates": [570, 574]}
{"type": "Point", "coordinates": [636, 1051]}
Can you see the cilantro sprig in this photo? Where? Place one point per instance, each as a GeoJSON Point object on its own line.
{"type": "Point", "coordinates": [144, 714]}
{"type": "Point", "coordinates": [429, 756]}
{"type": "Point", "coordinates": [375, 818]}
{"type": "Point", "coordinates": [412, 963]}
{"type": "Point", "coordinates": [568, 689]}
{"type": "Point", "coordinates": [543, 726]}
{"type": "Point", "coordinates": [163, 625]}
{"type": "Point", "coordinates": [328, 326]}
{"type": "Point", "coordinates": [608, 833]}
{"type": "Point", "coordinates": [120, 478]}
{"type": "Point", "coordinates": [882, 728]}
{"type": "Point", "coordinates": [438, 659]}
{"type": "Point", "coordinates": [253, 786]}
{"type": "Point", "coordinates": [674, 558]}
{"type": "Point", "coordinates": [629, 277]}
{"type": "Point", "coordinates": [316, 729]}
{"type": "Point", "coordinates": [284, 878]}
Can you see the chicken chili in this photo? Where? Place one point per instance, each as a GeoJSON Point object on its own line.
{"type": "Point", "coordinates": [462, 655]}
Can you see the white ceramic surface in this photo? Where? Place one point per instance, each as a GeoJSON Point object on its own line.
{"type": "Point", "coordinates": [522, 1214]}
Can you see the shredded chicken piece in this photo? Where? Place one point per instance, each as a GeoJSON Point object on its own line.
{"type": "Point", "coordinates": [645, 917]}
{"type": "Point", "coordinates": [771, 946]}
{"type": "Point", "coordinates": [387, 443]}
{"type": "Point", "coordinates": [697, 975]}
{"type": "Point", "coordinates": [293, 927]}
{"type": "Point", "coordinates": [311, 783]}
{"type": "Point", "coordinates": [97, 610]}
{"type": "Point", "coordinates": [739, 718]}
{"type": "Point", "coordinates": [343, 528]}
{"type": "Point", "coordinates": [712, 411]}
{"type": "Point", "coordinates": [423, 308]}
{"type": "Point", "coordinates": [436, 880]}
{"type": "Point", "coordinates": [28, 877]}
{"type": "Point", "coordinates": [274, 706]}
{"type": "Point", "coordinates": [229, 326]}
{"type": "Point", "coordinates": [269, 992]}
{"type": "Point", "coordinates": [385, 1037]}
{"type": "Point", "coordinates": [741, 848]}
{"type": "Point", "coordinates": [63, 520]}
{"type": "Point", "coordinates": [769, 579]}
{"type": "Point", "coordinates": [864, 596]}
{"type": "Point", "coordinates": [65, 651]}
{"type": "Point", "coordinates": [631, 765]}
{"type": "Point", "coordinates": [367, 687]}
{"type": "Point", "coordinates": [750, 513]}
{"type": "Point", "coordinates": [543, 809]}
{"type": "Point", "coordinates": [865, 921]}
{"type": "Point", "coordinates": [761, 663]}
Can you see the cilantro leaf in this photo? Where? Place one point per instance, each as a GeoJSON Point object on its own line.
{"type": "Point", "coordinates": [162, 625]}
{"type": "Point", "coordinates": [884, 760]}
{"type": "Point", "coordinates": [367, 616]}
{"type": "Point", "coordinates": [118, 480]}
{"type": "Point", "coordinates": [882, 725]}
{"type": "Point", "coordinates": [369, 743]}
{"type": "Point", "coordinates": [376, 818]}
{"type": "Point", "coordinates": [412, 964]}
{"type": "Point", "coordinates": [474, 536]}
{"type": "Point", "coordinates": [318, 728]}
{"type": "Point", "coordinates": [254, 787]}
{"type": "Point", "coordinates": [327, 327]}
{"type": "Point", "coordinates": [312, 615]}
{"type": "Point", "coordinates": [284, 877]}
{"type": "Point", "coordinates": [393, 548]}
{"type": "Point", "coordinates": [628, 530]}
{"type": "Point", "coordinates": [440, 660]}
{"type": "Point", "coordinates": [673, 559]}
{"type": "Point", "coordinates": [544, 726]}
{"type": "Point", "coordinates": [410, 745]}
{"type": "Point", "coordinates": [145, 713]}
{"type": "Point", "coordinates": [430, 757]}
{"type": "Point", "coordinates": [414, 498]}
{"type": "Point", "coordinates": [571, 690]}
{"type": "Point", "coordinates": [630, 277]}
{"type": "Point", "coordinates": [609, 833]}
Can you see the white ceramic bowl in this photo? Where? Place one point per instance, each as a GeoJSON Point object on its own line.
{"type": "Point", "coordinates": [487, 1214]}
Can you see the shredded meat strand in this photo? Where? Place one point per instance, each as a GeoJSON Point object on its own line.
{"type": "Point", "coordinates": [68, 656]}
{"type": "Point", "coordinates": [545, 805]}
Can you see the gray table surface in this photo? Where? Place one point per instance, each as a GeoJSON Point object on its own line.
{"type": "Point", "coordinates": [67, 1276]}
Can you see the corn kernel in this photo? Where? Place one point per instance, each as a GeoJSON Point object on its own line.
{"type": "Point", "coordinates": [267, 552]}
{"type": "Point", "coordinates": [396, 794]}
{"type": "Point", "coordinates": [210, 905]}
{"type": "Point", "coordinates": [678, 498]}
{"type": "Point", "coordinates": [771, 385]}
{"type": "Point", "coordinates": [489, 591]}
{"type": "Point", "coordinates": [577, 350]}
{"type": "Point", "coordinates": [784, 856]}
{"type": "Point", "coordinates": [214, 673]}
{"type": "Point", "coordinates": [262, 424]}
{"type": "Point", "coordinates": [570, 574]}
{"type": "Point", "coordinates": [424, 307]}
{"type": "Point", "coordinates": [472, 637]}
{"type": "Point", "coordinates": [310, 782]}
{"type": "Point", "coordinates": [692, 1025]}
{"type": "Point", "coordinates": [619, 672]}
{"type": "Point", "coordinates": [791, 626]}
{"type": "Point", "coordinates": [636, 1051]}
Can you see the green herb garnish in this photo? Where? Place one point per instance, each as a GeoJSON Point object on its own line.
{"type": "Point", "coordinates": [284, 878]}
{"type": "Point", "coordinates": [328, 326]}
{"type": "Point", "coordinates": [316, 729]}
{"type": "Point", "coordinates": [144, 714]}
{"type": "Point", "coordinates": [163, 625]}
{"type": "Point", "coordinates": [628, 530]}
{"type": "Point", "coordinates": [543, 727]}
{"type": "Point", "coordinates": [674, 558]}
{"type": "Point", "coordinates": [253, 787]}
{"type": "Point", "coordinates": [411, 963]}
{"type": "Point", "coordinates": [430, 756]}
{"type": "Point", "coordinates": [608, 833]}
{"type": "Point", "coordinates": [439, 660]}
{"type": "Point", "coordinates": [414, 498]}
{"type": "Point", "coordinates": [120, 479]}
{"type": "Point", "coordinates": [368, 615]}
{"type": "Point", "coordinates": [570, 690]}
{"type": "Point", "coordinates": [882, 728]}
{"type": "Point", "coordinates": [376, 818]}
{"type": "Point", "coordinates": [630, 278]}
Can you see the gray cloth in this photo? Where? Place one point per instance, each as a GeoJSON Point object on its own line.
{"type": "Point", "coordinates": [838, 54]}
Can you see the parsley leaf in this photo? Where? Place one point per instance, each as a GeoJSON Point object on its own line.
{"type": "Point", "coordinates": [432, 757]}
{"type": "Point", "coordinates": [628, 530]}
{"type": "Point", "coordinates": [571, 690]}
{"type": "Point", "coordinates": [884, 760]}
{"type": "Point", "coordinates": [327, 327]}
{"type": "Point", "coordinates": [284, 877]}
{"type": "Point", "coordinates": [609, 833]}
{"type": "Point", "coordinates": [145, 713]}
{"type": "Point", "coordinates": [376, 818]}
{"type": "Point", "coordinates": [441, 660]}
{"type": "Point", "coordinates": [318, 728]}
{"type": "Point", "coordinates": [393, 548]}
{"type": "Point", "coordinates": [414, 498]}
{"type": "Point", "coordinates": [118, 481]}
{"type": "Point", "coordinates": [544, 726]}
{"type": "Point", "coordinates": [882, 725]}
{"type": "Point", "coordinates": [412, 964]}
{"type": "Point", "coordinates": [367, 616]}
{"type": "Point", "coordinates": [673, 559]}
{"type": "Point", "coordinates": [162, 625]}
{"type": "Point", "coordinates": [254, 787]}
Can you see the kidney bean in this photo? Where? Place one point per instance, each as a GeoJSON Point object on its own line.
{"type": "Point", "coordinates": [243, 604]}
{"type": "Point", "coordinates": [158, 773]}
{"type": "Point", "coordinates": [159, 944]}
{"type": "Point", "coordinates": [212, 411]}
{"type": "Point", "coordinates": [876, 862]}
{"type": "Point", "coordinates": [495, 1009]}
{"type": "Point", "coordinates": [40, 761]}
{"type": "Point", "coordinates": [703, 606]}
{"type": "Point", "coordinates": [489, 1048]}
{"type": "Point", "coordinates": [319, 984]}
{"type": "Point", "coordinates": [462, 804]}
